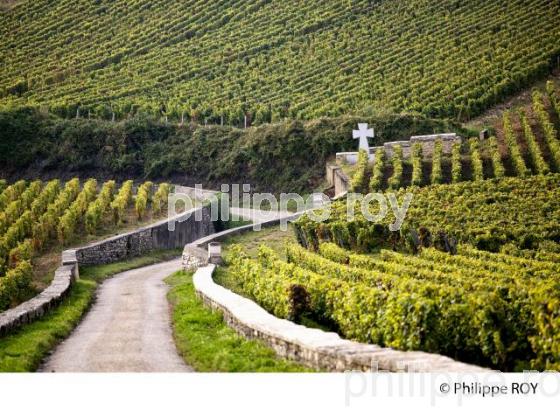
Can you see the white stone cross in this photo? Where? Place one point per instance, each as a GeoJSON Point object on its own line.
{"type": "Point", "coordinates": [363, 133]}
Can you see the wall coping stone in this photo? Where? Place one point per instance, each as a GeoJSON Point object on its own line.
{"type": "Point", "coordinates": [444, 137]}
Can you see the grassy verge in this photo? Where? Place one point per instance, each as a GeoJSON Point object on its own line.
{"type": "Point", "coordinates": [208, 344]}
{"type": "Point", "coordinates": [24, 350]}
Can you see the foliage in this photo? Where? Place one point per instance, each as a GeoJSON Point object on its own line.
{"type": "Point", "coordinates": [376, 180]}
{"type": "Point", "coordinates": [437, 175]}
{"type": "Point", "coordinates": [282, 157]}
{"type": "Point", "coordinates": [456, 166]}
{"type": "Point", "coordinates": [496, 157]}
{"type": "Point", "coordinates": [533, 147]}
{"type": "Point", "coordinates": [14, 285]}
{"type": "Point", "coordinates": [514, 151]}
{"type": "Point", "coordinates": [74, 216]}
{"type": "Point", "coordinates": [550, 134]}
{"type": "Point", "coordinates": [99, 208]}
{"type": "Point", "coordinates": [463, 308]}
{"type": "Point", "coordinates": [142, 197]}
{"type": "Point", "coordinates": [179, 61]}
{"type": "Point", "coordinates": [360, 177]}
{"type": "Point", "coordinates": [417, 175]}
{"type": "Point", "coordinates": [44, 212]}
{"type": "Point", "coordinates": [476, 160]}
{"type": "Point", "coordinates": [395, 180]}
{"type": "Point", "coordinates": [485, 214]}
{"type": "Point", "coordinates": [121, 201]}
{"type": "Point", "coordinates": [161, 198]}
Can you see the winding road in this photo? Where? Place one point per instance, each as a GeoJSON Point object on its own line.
{"type": "Point", "coordinates": [128, 329]}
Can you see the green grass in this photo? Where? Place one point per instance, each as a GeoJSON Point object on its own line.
{"type": "Point", "coordinates": [24, 350]}
{"type": "Point", "coordinates": [208, 344]}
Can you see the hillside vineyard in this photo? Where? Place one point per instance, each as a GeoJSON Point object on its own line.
{"type": "Point", "coordinates": [260, 61]}
{"type": "Point", "coordinates": [35, 216]}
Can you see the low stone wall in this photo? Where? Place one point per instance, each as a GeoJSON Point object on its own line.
{"type": "Point", "coordinates": [187, 229]}
{"type": "Point", "coordinates": [313, 347]}
{"type": "Point", "coordinates": [427, 142]}
{"type": "Point", "coordinates": [34, 308]}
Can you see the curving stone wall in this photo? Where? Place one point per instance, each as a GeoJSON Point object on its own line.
{"type": "Point", "coordinates": [40, 304]}
{"type": "Point", "coordinates": [313, 347]}
{"type": "Point", "coordinates": [187, 228]}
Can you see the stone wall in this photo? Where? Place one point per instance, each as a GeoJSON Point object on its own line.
{"type": "Point", "coordinates": [188, 227]}
{"type": "Point", "coordinates": [313, 347]}
{"type": "Point", "coordinates": [390, 148]}
{"type": "Point", "coordinates": [34, 308]}
{"type": "Point", "coordinates": [337, 179]}
{"type": "Point", "coordinates": [427, 141]}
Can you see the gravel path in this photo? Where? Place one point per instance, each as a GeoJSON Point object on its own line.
{"type": "Point", "coordinates": [128, 329]}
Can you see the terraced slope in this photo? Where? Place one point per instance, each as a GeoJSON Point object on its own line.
{"type": "Point", "coordinates": [219, 61]}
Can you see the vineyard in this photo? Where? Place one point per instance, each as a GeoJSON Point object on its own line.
{"type": "Point", "coordinates": [472, 274]}
{"type": "Point", "coordinates": [259, 61]}
{"type": "Point", "coordinates": [487, 214]}
{"type": "Point", "coordinates": [527, 144]}
{"type": "Point", "coordinates": [37, 216]}
{"type": "Point", "coordinates": [495, 310]}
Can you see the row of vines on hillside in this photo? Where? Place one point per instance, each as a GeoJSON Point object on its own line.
{"type": "Point", "coordinates": [35, 215]}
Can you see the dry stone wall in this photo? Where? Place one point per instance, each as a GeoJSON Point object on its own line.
{"type": "Point", "coordinates": [188, 227]}
{"type": "Point", "coordinates": [427, 142]}
{"type": "Point", "coordinates": [42, 303]}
